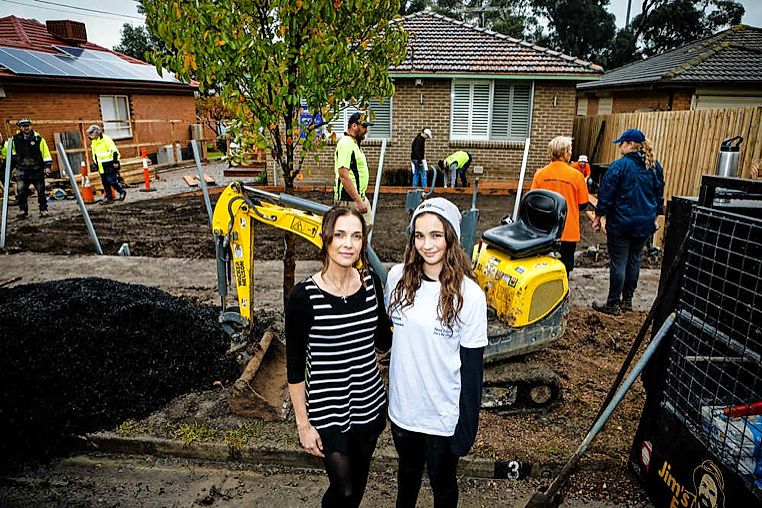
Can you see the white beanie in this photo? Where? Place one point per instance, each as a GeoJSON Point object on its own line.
{"type": "Point", "coordinates": [443, 208]}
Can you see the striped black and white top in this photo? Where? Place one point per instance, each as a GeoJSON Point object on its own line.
{"type": "Point", "coordinates": [330, 343]}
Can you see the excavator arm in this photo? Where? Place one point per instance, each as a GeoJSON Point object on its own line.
{"type": "Point", "coordinates": [235, 214]}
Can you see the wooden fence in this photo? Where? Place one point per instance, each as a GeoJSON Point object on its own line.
{"type": "Point", "coordinates": [686, 142]}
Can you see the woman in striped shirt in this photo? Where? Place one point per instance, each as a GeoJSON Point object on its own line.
{"type": "Point", "coordinates": [335, 320]}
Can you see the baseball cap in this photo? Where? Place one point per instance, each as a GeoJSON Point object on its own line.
{"type": "Point", "coordinates": [633, 135]}
{"type": "Point", "coordinates": [443, 208]}
{"type": "Point", "coordinates": [428, 132]}
{"type": "Point", "coordinates": [582, 158]}
{"type": "Point", "coordinates": [24, 121]}
{"type": "Point", "coordinates": [360, 118]}
{"type": "Point", "coordinates": [94, 128]}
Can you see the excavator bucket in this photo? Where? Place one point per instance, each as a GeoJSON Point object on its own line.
{"type": "Point", "coordinates": [262, 389]}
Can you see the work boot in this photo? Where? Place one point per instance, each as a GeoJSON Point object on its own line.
{"type": "Point", "coordinates": [606, 308]}
{"type": "Point", "coordinates": [43, 213]}
{"type": "Point", "coordinates": [626, 305]}
{"type": "Point", "coordinates": [23, 214]}
{"type": "Point", "coordinates": [122, 195]}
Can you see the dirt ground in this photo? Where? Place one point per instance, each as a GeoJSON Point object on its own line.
{"type": "Point", "coordinates": [173, 236]}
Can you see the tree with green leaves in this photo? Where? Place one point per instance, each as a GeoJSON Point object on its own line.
{"type": "Point", "coordinates": [136, 42]}
{"type": "Point", "coordinates": [581, 28]}
{"type": "Point", "coordinates": [267, 57]}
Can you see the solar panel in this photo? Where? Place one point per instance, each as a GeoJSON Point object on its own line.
{"type": "Point", "coordinates": [89, 54]}
{"type": "Point", "coordinates": [40, 63]}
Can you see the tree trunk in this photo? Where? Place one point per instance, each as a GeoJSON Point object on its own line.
{"type": "Point", "coordinates": [289, 255]}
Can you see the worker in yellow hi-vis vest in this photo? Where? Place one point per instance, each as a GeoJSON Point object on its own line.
{"type": "Point", "coordinates": [106, 162]}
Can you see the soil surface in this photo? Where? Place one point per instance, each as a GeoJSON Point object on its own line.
{"type": "Point", "coordinates": [172, 234]}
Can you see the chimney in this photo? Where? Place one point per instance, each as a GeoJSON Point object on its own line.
{"type": "Point", "coordinates": [68, 30]}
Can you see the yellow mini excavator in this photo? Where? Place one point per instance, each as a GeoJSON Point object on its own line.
{"type": "Point", "coordinates": [526, 289]}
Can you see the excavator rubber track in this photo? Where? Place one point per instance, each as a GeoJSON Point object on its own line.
{"type": "Point", "coordinates": [511, 385]}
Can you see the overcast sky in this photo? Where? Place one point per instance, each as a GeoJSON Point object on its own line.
{"type": "Point", "coordinates": [104, 25]}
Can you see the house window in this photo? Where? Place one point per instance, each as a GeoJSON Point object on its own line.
{"type": "Point", "coordinates": [115, 111]}
{"type": "Point", "coordinates": [605, 105]}
{"type": "Point", "coordinates": [581, 106]}
{"type": "Point", "coordinates": [486, 110]}
{"type": "Point", "coordinates": [382, 121]}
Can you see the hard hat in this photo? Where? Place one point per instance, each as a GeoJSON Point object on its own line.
{"type": "Point", "coordinates": [24, 121]}
{"type": "Point", "coordinates": [582, 158]}
{"type": "Point", "coordinates": [428, 133]}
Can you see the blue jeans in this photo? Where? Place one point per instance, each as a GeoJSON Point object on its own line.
{"type": "Point", "coordinates": [625, 254]}
{"type": "Point", "coordinates": [110, 181]}
{"type": "Point", "coordinates": [419, 173]}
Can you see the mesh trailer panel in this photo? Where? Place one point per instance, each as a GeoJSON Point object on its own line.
{"type": "Point", "coordinates": [715, 361]}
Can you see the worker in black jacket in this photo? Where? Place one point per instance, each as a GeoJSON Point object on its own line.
{"type": "Point", "coordinates": [418, 158]}
{"type": "Point", "coordinates": [32, 161]}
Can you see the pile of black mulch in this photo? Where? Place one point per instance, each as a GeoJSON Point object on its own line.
{"type": "Point", "coordinates": [80, 355]}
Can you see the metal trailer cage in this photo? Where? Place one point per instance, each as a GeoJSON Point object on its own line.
{"type": "Point", "coordinates": [699, 442]}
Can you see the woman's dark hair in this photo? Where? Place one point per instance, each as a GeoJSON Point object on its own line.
{"type": "Point", "coordinates": [327, 230]}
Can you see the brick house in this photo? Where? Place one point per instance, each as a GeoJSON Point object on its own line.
{"type": "Point", "coordinates": [720, 71]}
{"type": "Point", "coordinates": [51, 74]}
{"type": "Point", "coordinates": [477, 90]}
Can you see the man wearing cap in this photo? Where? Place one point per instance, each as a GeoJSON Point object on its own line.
{"type": "Point", "coordinates": [351, 169]}
{"type": "Point", "coordinates": [32, 161]}
{"type": "Point", "coordinates": [582, 166]}
{"type": "Point", "coordinates": [418, 158]}
{"type": "Point", "coordinates": [106, 162]}
{"type": "Point", "coordinates": [457, 163]}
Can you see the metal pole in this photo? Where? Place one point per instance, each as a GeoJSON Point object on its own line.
{"type": "Point", "coordinates": [6, 189]}
{"type": "Point", "coordinates": [85, 214]}
{"type": "Point", "coordinates": [377, 190]}
{"type": "Point", "coordinates": [202, 180]}
{"type": "Point", "coordinates": [521, 180]}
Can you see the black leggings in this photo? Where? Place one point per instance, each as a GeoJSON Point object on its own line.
{"type": "Point", "coordinates": [415, 449]}
{"type": "Point", "coordinates": [348, 474]}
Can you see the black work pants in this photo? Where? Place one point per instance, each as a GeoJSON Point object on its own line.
{"type": "Point", "coordinates": [110, 181]}
{"type": "Point", "coordinates": [416, 449]}
{"type": "Point", "coordinates": [26, 179]}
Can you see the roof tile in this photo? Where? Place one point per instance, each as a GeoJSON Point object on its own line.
{"type": "Point", "coordinates": [439, 44]}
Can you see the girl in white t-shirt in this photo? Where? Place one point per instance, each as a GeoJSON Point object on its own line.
{"type": "Point", "coordinates": [435, 375]}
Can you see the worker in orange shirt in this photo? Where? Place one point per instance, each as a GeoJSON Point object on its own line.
{"type": "Point", "coordinates": [583, 166]}
{"type": "Point", "coordinates": [558, 176]}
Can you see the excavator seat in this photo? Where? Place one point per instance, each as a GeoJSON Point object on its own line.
{"type": "Point", "coordinates": [541, 220]}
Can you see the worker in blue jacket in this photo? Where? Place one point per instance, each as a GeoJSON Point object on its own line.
{"type": "Point", "coordinates": [630, 198]}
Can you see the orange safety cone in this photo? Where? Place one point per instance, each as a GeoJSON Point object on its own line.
{"type": "Point", "coordinates": [146, 175]}
{"type": "Point", "coordinates": [87, 191]}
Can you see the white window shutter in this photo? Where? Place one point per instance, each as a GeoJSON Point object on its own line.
{"type": "Point", "coordinates": [480, 110]}
{"type": "Point", "coordinates": [501, 111]}
{"type": "Point", "coordinates": [520, 105]}
{"type": "Point", "coordinates": [382, 121]}
{"type": "Point", "coordinates": [461, 109]}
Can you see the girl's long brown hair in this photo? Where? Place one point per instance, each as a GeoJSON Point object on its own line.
{"type": "Point", "coordinates": [327, 230]}
{"type": "Point", "coordinates": [455, 267]}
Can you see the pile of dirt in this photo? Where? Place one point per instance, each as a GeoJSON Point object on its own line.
{"type": "Point", "coordinates": [80, 355]}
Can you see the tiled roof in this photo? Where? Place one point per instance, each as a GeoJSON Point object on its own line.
{"type": "Point", "coordinates": [441, 45]}
{"type": "Point", "coordinates": [734, 55]}
{"type": "Point", "coordinates": [31, 34]}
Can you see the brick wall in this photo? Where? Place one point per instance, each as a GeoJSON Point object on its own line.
{"type": "Point", "coordinates": [415, 108]}
{"type": "Point", "coordinates": [68, 111]}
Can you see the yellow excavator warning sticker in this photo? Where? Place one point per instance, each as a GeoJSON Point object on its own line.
{"type": "Point", "coordinates": [304, 227]}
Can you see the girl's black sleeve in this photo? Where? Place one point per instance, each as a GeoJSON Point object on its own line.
{"type": "Point", "coordinates": [383, 338]}
{"type": "Point", "coordinates": [298, 322]}
{"type": "Point", "coordinates": [471, 378]}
